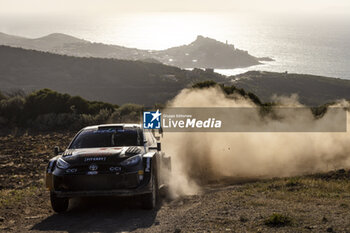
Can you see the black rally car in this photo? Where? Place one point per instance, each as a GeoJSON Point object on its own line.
{"type": "Point", "coordinates": [107, 160]}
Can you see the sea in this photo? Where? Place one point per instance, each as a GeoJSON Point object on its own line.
{"type": "Point", "coordinates": [318, 45]}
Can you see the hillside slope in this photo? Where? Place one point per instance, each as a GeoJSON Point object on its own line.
{"type": "Point", "coordinates": [109, 80]}
{"type": "Point", "coordinates": [121, 81]}
{"type": "Point", "coordinates": [312, 90]}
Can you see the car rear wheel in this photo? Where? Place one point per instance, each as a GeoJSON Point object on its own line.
{"type": "Point", "coordinates": [150, 200]}
{"type": "Point", "coordinates": [59, 204]}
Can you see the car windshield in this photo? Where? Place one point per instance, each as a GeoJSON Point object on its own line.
{"type": "Point", "coordinates": [109, 137]}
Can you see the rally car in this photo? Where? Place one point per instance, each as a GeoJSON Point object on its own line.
{"type": "Point", "coordinates": [108, 160]}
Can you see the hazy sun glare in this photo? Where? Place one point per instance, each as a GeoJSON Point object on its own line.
{"type": "Point", "coordinates": [160, 31]}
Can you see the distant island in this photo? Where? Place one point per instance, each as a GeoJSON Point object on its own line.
{"type": "Point", "coordinates": [147, 83]}
{"type": "Point", "coordinates": [204, 52]}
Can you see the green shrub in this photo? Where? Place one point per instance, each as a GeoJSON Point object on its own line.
{"type": "Point", "coordinates": [46, 101]}
{"type": "Point", "coordinates": [102, 117]}
{"type": "Point", "coordinates": [254, 98]}
{"type": "Point", "coordinates": [49, 110]}
{"type": "Point", "coordinates": [319, 111]}
{"type": "Point", "coordinates": [129, 113]}
{"type": "Point", "coordinates": [11, 109]}
{"type": "Point", "coordinates": [204, 84]}
{"type": "Point", "coordinates": [229, 90]}
{"type": "Point", "coordinates": [293, 182]}
{"type": "Point", "coordinates": [70, 121]}
{"type": "Point", "coordinates": [78, 105]}
{"type": "Point", "coordinates": [52, 121]}
{"type": "Point", "coordinates": [96, 106]}
{"type": "Point", "coordinates": [278, 220]}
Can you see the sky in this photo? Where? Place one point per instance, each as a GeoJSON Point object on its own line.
{"type": "Point", "coordinates": [110, 7]}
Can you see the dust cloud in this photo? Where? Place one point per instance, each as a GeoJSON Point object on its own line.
{"type": "Point", "coordinates": [199, 158]}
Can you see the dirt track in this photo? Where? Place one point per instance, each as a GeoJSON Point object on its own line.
{"type": "Point", "coordinates": [312, 203]}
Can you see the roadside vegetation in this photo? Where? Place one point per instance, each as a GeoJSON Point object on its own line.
{"type": "Point", "coordinates": [46, 109]}
{"type": "Point", "coordinates": [278, 220]}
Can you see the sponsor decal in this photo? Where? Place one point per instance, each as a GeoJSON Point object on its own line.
{"type": "Point", "coordinates": [93, 167]}
{"type": "Point", "coordinates": [151, 120]}
{"type": "Point", "coordinates": [92, 172]}
{"type": "Point", "coordinates": [72, 170]}
{"type": "Point", "coordinates": [192, 123]}
{"type": "Point", "coordinates": [115, 169]}
{"type": "Point", "coordinates": [92, 159]}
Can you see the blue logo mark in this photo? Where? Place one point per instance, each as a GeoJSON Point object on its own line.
{"type": "Point", "coordinates": [151, 120]}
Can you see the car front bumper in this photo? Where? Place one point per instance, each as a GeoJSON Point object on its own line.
{"type": "Point", "coordinates": [96, 193]}
{"type": "Point", "coordinates": [127, 184]}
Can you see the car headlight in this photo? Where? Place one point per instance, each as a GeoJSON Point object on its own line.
{"type": "Point", "coordinates": [62, 164]}
{"type": "Point", "coordinates": [132, 161]}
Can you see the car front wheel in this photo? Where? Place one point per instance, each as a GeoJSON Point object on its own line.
{"type": "Point", "coordinates": [150, 200]}
{"type": "Point", "coordinates": [59, 204]}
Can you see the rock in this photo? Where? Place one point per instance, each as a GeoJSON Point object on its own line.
{"type": "Point", "coordinates": [33, 217]}
{"type": "Point", "coordinates": [329, 229]}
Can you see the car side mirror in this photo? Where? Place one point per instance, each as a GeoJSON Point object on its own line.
{"type": "Point", "coordinates": [56, 150]}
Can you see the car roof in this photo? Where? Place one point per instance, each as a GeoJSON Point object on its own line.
{"type": "Point", "coordinates": [113, 125]}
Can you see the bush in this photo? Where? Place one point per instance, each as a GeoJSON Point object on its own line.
{"type": "Point", "coordinates": [278, 220]}
{"type": "Point", "coordinates": [70, 121]}
{"type": "Point", "coordinates": [11, 109]}
{"type": "Point", "coordinates": [46, 101]}
{"type": "Point", "coordinates": [78, 105]}
{"type": "Point", "coordinates": [292, 182]}
{"type": "Point", "coordinates": [49, 110]}
{"type": "Point", "coordinates": [254, 98]}
{"type": "Point", "coordinates": [205, 84]}
{"type": "Point", "coordinates": [100, 118]}
{"type": "Point", "coordinates": [229, 90]}
{"type": "Point", "coordinates": [129, 113]}
{"type": "Point", "coordinates": [54, 121]}
{"type": "Point", "coordinates": [96, 106]}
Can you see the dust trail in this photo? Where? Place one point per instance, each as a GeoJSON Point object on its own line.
{"type": "Point", "coordinates": [198, 158]}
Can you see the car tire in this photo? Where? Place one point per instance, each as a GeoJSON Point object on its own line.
{"type": "Point", "coordinates": [151, 200]}
{"type": "Point", "coordinates": [59, 204]}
